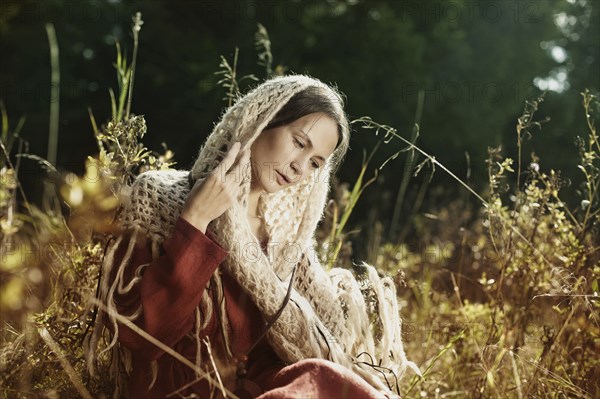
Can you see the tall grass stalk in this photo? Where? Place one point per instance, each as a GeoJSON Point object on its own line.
{"type": "Point", "coordinates": [230, 81]}
{"type": "Point", "coordinates": [406, 172]}
{"type": "Point", "coordinates": [55, 94]}
{"type": "Point", "coordinates": [136, 27]}
{"type": "Point", "coordinates": [262, 43]}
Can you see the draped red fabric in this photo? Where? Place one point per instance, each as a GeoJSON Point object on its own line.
{"type": "Point", "coordinates": [170, 290]}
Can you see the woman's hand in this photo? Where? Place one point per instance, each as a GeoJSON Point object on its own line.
{"type": "Point", "coordinates": [210, 198]}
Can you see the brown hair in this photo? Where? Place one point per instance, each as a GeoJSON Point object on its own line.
{"type": "Point", "coordinates": [312, 100]}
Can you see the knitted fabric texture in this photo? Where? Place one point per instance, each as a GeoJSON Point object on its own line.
{"type": "Point", "coordinates": [327, 315]}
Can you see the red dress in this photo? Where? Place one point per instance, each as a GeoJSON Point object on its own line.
{"type": "Point", "coordinates": [169, 292]}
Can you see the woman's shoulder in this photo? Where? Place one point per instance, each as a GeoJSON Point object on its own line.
{"type": "Point", "coordinates": [154, 200]}
{"type": "Point", "coordinates": [161, 179]}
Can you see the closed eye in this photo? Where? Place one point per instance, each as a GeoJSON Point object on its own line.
{"type": "Point", "coordinates": [302, 145]}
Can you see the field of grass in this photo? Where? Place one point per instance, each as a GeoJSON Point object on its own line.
{"type": "Point", "coordinates": [499, 298]}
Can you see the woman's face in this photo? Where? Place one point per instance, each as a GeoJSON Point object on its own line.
{"type": "Point", "coordinates": [286, 155]}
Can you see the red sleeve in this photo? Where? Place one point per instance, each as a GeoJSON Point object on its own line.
{"type": "Point", "coordinates": [170, 289]}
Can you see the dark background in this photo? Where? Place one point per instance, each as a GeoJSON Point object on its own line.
{"type": "Point", "coordinates": [478, 62]}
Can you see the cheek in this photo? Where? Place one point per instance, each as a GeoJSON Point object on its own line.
{"type": "Point", "coordinates": [280, 152]}
{"type": "Point", "coordinates": [259, 150]}
{"type": "Point", "coordinates": [274, 148]}
{"type": "Point", "coordinates": [279, 147]}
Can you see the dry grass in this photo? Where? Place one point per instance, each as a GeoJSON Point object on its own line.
{"type": "Point", "coordinates": [500, 299]}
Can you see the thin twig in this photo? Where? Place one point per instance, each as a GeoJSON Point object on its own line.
{"type": "Point", "coordinates": [161, 345]}
{"type": "Point", "coordinates": [73, 376]}
{"type": "Point", "coordinates": [54, 99]}
{"type": "Point", "coordinates": [137, 26]}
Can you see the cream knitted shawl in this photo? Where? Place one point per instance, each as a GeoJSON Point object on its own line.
{"type": "Point", "coordinates": [327, 316]}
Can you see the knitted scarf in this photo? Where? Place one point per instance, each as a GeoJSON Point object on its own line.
{"type": "Point", "coordinates": [327, 316]}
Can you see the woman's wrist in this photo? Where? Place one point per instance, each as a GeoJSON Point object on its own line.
{"type": "Point", "coordinates": [198, 222]}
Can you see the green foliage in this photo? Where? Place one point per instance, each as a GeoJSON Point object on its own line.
{"type": "Point", "coordinates": [263, 46]}
{"type": "Point", "coordinates": [510, 310]}
{"type": "Point", "coordinates": [230, 81]}
{"type": "Point", "coordinates": [500, 300]}
{"type": "Point", "coordinates": [51, 262]}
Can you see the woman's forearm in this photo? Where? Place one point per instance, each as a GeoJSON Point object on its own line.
{"type": "Point", "coordinates": [171, 286]}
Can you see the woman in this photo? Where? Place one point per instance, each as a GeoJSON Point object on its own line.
{"type": "Point", "coordinates": [219, 263]}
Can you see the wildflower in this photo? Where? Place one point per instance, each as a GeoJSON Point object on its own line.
{"type": "Point", "coordinates": [534, 166]}
{"type": "Point", "coordinates": [585, 204]}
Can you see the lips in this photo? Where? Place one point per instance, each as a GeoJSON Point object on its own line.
{"type": "Point", "coordinates": [283, 177]}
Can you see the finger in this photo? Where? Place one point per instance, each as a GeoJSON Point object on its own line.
{"type": "Point", "coordinates": [230, 158]}
{"type": "Point", "coordinates": [240, 158]}
{"type": "Point", "coordinates": [239, 168]}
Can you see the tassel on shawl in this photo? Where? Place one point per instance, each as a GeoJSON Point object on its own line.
{"type": "Point", "coordinates": [121, 356]}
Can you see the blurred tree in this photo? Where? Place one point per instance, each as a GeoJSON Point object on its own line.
{"type": "Point", "coordinates": [475, 61]}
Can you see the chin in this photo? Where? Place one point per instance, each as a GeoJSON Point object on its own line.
{"type": "Point", "coordinates": [274, 186]}
{"type": "Point", "coordinates": [270, 186]}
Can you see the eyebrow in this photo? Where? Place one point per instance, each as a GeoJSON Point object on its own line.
{"type": "Point", "coordinates": [310, 143]}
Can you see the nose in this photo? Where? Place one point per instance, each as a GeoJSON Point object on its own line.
{"type": "Point", "coordinates": [298, 167]}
